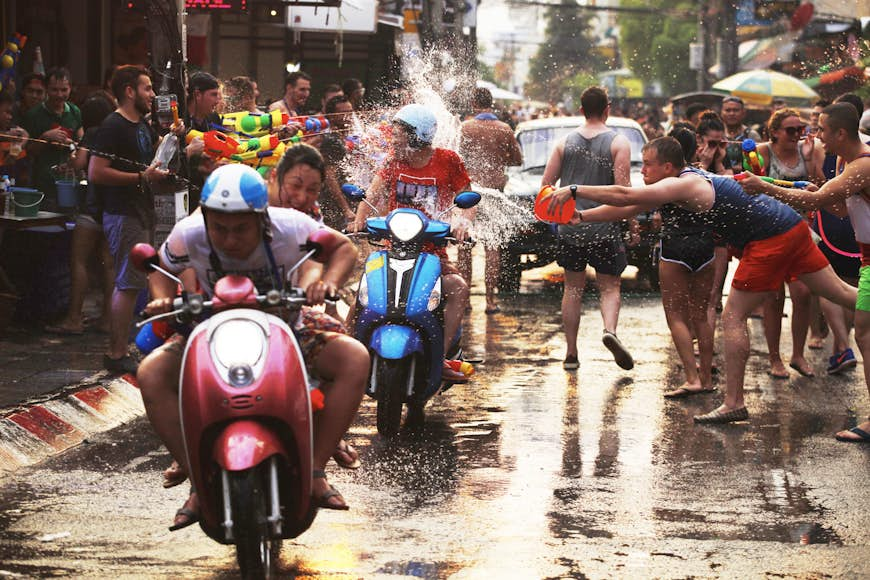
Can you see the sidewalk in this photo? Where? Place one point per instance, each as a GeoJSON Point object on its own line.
{"type": "Point", "coordinates": [54, 393]}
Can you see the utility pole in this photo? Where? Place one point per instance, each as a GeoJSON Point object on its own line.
{"type": "Point", "coordinates": [728, 54]}
{"type": "Point", "coordinates": [702, 53]}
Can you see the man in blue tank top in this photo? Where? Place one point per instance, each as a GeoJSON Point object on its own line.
{"type": "Point", "coordinates": [839, 134]}
{"type": "Point", "coordinates": [775, 244]}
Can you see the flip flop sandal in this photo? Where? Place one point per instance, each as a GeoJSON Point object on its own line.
{"type": "Point", "coordinates": [323, 500]}
{"type": "Point", "coordinates": [683, 392]}
{"type": "Point", "coordinates": [801, 371]}
{"type": "Point", "coordinates": [191, 517]}
{"type": "Point", "coordinates": [863, 436]}
{"type": "Point", "coordinates": [343, 450]}
{"type": "Point", "coordinates": [174, 475]}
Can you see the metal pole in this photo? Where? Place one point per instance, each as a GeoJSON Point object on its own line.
{"type": "Point", "coordinates": [702, 40]}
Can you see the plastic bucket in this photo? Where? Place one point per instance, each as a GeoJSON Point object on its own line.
{"type": "Point", "coordinates": [26, 201]}
{"type": "Point", "coordinates": [67, 193]}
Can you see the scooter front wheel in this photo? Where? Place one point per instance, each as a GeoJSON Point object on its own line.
{"type": "Point", "coordinates": [392, 376]}
{"type": "Point", "coordinates": [257, 553]}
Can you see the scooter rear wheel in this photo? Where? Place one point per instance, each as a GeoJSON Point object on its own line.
{"type": "Point", "coordinates": [256, 552]}
{"type": "Point", "coordinates": [392, 386]}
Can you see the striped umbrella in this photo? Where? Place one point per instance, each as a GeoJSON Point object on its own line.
{"type": "Point", "coordinates": [761, 87]}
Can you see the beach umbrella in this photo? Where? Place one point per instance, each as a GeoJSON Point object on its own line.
{"type": "Point", "coordinates": [761, 87]}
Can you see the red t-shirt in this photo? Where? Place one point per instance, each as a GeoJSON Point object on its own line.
{"type": "Point", "coordinates": [431, 188]}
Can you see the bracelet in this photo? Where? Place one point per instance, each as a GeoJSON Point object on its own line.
{"type": "Point", "coordinates": [580, 215]}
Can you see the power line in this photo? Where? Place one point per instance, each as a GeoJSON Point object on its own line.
{"type": "Point", "coordinates": [676, 14]}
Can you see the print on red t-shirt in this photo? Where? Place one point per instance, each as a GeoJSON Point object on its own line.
{"type": "Point", "coordinates": [429, 189]}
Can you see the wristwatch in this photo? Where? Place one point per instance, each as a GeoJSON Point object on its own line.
{"type": "Point", "coordinates": [573, 189]}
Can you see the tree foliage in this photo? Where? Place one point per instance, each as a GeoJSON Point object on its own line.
{"type": "Point", "coordinates": [655, 47]}
{"type": "Point", "coordinates": [568, 49]}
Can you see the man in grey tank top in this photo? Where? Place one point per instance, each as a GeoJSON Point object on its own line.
{"type": "Point", "coordinates": [592, 155]}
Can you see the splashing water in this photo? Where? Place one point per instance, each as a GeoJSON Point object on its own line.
{"type": "Point", "coordinates": [441, 84]}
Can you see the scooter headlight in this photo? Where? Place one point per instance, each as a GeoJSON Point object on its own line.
{"type": "Point", "coordinates": [237, 344]}
{"type": "Point", "coordinates": [362, 295]}
{"type": "Point", "coordinates": [405, 226]}
{"type": "Point", "coordinates": [434, 296]}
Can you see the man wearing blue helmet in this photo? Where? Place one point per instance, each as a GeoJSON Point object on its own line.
{"type": "Point", "coordinates": [426, 178]}
{"type": "Point", "coordinates": [237, 233]}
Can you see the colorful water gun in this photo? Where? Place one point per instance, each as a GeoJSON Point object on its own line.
{"type": "Point", "coordinates": [779, 182]}
{"type": "Point", "coordinates": [9, 58]}
{"type": "Point", "coordinates": [218, 145]}
{"type": "Point", "coordinates": [752, 159]}
{"type": "Point", "coordinates": [254, 123]}
{"type": "Point", "coordinates": [311, 123]}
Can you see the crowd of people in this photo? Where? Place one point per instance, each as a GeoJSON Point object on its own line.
{"type": "Point", "coordinates": [708, 197]}
{"type": "Point", "coordinates": [708, 217]}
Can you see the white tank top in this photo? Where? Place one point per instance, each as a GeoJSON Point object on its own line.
{"type": "Point", "coordinates": [859, 210]}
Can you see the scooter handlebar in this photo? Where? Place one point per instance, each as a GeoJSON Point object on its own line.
{"type": "Point", "coordinates": [193, 304]}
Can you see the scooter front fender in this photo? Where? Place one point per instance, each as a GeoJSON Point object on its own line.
{"type": "Point", "coordinates": [393, 341]}
{"type": "Point", "coordinates": [246, 444]}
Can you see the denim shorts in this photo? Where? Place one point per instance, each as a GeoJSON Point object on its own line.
{"type": "Point", "coordinates": [123, 232]}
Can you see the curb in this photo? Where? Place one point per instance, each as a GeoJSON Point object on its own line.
{"type": "Point", "coordinates": [35, 431]}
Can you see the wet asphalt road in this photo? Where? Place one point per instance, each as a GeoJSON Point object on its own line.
{"type": "Point", "coordinates": [528, 472]}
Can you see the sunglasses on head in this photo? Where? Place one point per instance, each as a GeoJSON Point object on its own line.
{"type": "Point", "coordinates": [792, 131]}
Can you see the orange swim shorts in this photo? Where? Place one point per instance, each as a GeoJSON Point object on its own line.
{"type": "Point", "coordinates": [767, 263]}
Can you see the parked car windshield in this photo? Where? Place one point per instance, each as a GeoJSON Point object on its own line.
{"type": "Point", "coordinates": [537, 145]}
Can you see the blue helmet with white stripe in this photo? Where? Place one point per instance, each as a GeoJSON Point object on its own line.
{"type": "Point", "coordinates": [235, 188]}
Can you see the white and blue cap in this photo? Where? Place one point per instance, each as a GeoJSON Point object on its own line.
{"type": "Point", "coordinates": [235, 188]}
{"type": "Point", "coordinates": [420, 121]}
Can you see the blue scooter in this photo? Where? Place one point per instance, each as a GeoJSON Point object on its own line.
{"type": "Point", "coordinates": [399, 313]}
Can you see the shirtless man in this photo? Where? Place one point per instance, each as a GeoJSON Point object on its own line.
{"type": "Point", "coordinates": [487, 147]}
{"type": "Point", "coordinates": [297, 89]}
{"type": "Point", "coordinates": [838, 125]}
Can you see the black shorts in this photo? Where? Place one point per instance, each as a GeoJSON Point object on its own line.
{"type": "Point", "coordinates": [607, 256]}
{"type": "Point", "coordinates": [694, 251]}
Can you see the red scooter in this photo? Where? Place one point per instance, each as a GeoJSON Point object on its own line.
{"type": "Point", "coordinates": [246, 414]}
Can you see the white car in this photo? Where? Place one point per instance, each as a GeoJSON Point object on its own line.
{"type": "Point", "coordinates": [534, 244]}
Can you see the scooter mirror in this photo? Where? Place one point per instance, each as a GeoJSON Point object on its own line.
{"type": "Point", "coordinates": [467, 199]}
{"type": "Point", "coordinates": [144, 257]}
{"type": "Point", "coordinates": [324, 241]}
{"type": "Point", "coordinates": [353, 192]}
